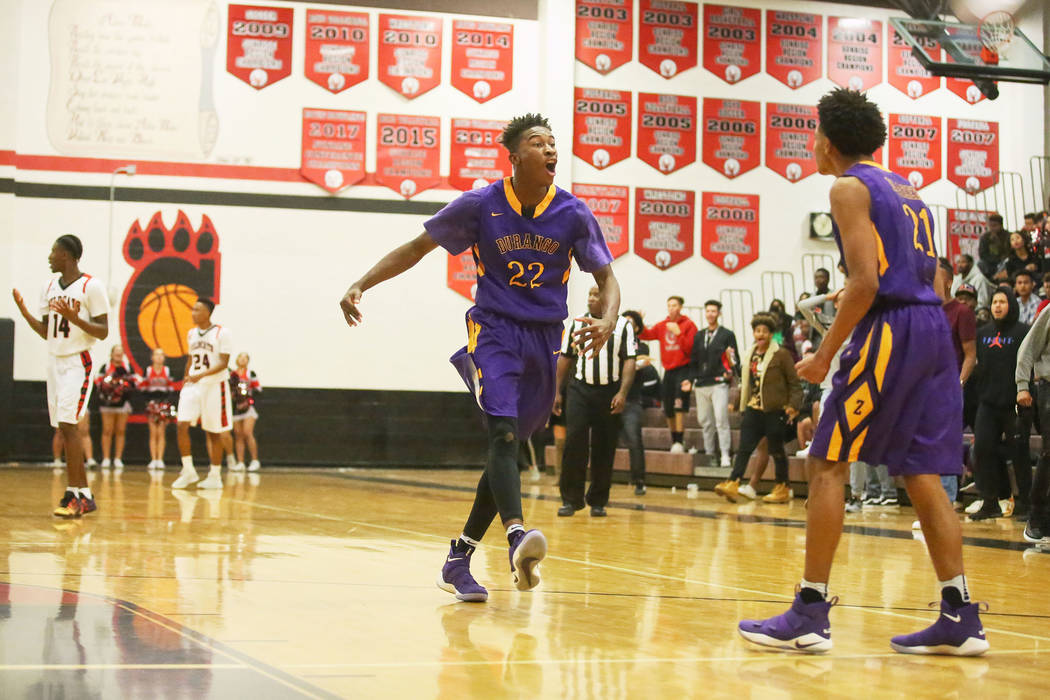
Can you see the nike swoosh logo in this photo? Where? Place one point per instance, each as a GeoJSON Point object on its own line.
{"type": "Point", "coordinates": [800, 645]}
{"type": "Point", "coordinates": [953, 618]}
{"type": "Point", "coordinates": [495, 213]}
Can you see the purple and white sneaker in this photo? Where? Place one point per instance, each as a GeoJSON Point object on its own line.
{"type": "Point", "coordinates": [957, 632]}
{"type": "Point", "coordinates": [456, 579]}
{"type": "Point", "coordinates": [804, 627]}
{"type": "Point", "coordinates": [525, 557]}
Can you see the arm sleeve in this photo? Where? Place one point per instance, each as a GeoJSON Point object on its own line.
{"type": "Point", "coordinates": [652, 332]}
{"type": "Point", "coordinates": [628, 347]}
{"type": "Point", "coordinates": [591, 250]}
{"type": "Point", "coordinates": [95, 298]}
{"type": "Point", "coordinates": [455, 227]}
{"type": "Point", "coordinates": [1032, 347]}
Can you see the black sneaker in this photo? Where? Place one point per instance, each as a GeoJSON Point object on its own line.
{"type": "Point", "coordinates": [889, 501]}
{"type": "Point", "coordinates": [639, 490]}
{"type": "Point", "coordinates": [598, 512]}
{"type": "Point", "coordinates": [987, 513]}
{"type": "Point", "coordinates": [1033, 533]}
{"type": "Point", "coordinates": [566, 510]}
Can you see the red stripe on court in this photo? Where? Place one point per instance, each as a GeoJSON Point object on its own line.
{"type": "Point", "coordinates": [85, 360]}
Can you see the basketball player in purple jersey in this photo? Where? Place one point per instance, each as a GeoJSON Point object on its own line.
{"type": "Point", "coordinates": [896, 398]}
{"type": "Point", "coordinates": [524, 232]}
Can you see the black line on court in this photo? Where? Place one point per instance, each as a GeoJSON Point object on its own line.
{"type": "Point", "coordinates": [866, 530]}
{"type": "Point", "coordinates": [227, 199]}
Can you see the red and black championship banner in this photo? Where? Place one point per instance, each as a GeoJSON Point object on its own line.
{"type": "Point", "coordinates": [973, 154]}
{"type": "Point", "coordinates": [409, 53]}
{"type": "Point", "coordinates": [408, 153]}
{"type": "Point", "coordinates": [729, 230]}
{"type": "Point", "coordinates": [259, 44]}
{"type": "Point", "coordinates": [963, 87]}
{"type": "Point", "coordinates": [601, 126]}
{"type": "Point", "coordinates": [476, 157]}
{"type": "Point", "coordinates": [732, 135]}
{"type": "Point", "coordinates": [333, 154]}
{"type": "Point", "coordinates": [794, 47]}
{"type": "Point", "coordinates": [790, 133]}
{"type": "Point", "coordinates": [667, 35]}
{"type": "Point", "coordinates": [608, 203]}
{"type": "Point", "coordinates": [482, 58]}
{"type": "Point", "coordinates": [604, 33]}
{"type": "Point", "coordinates": [855, 52]}
{"type": "Point", "coordinates": [463, 274]}
{"type": "Point", "coordinates": [732, 41]}
{"type": "Point", "coordinates": [663, 225]}
{"type": "Point", "coordinates": [965, 227]}
{"type": "Point", "coordinates": [904, 70]}
{"type": "Point", "coordinates": [666, 131]}
{"type": "Point", "coordinates": [336, 48]}
{"type": "Point", "coordinates": [914, 148]}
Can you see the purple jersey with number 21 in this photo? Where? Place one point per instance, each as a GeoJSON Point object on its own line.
{"type": "Point", "coordinates": [514, 330]}
{"type": "Point", "coordinates": [523, 263]}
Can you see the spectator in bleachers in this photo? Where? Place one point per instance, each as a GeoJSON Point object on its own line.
{"type": "Point", "coordinates": [675, 333]}
{"type": "Point", "coordinates": [966, 273]}
{"type": "Point", "coordinates": [1027, 302]}
{"type": "Point", "coordinates": [1041, 239]}
{"type": "Point", "coordinates": [713, 363]}
{"type": "Point", "coordinates": [1033, 361]}
{"type": "Point", "coordinates": [1029, 228]}
{"type": "Point", "coordinates": [993, 248]}
{"type": "Point", "coordinates": [997, 346]}
{"type": "Point", "coordinates": [1022, 256]}
{"type": "Point", "coordinates": [770, 393]}
{"type": "Point", "coordinates": [821, 280]}
{"type": "Point", "coordinates": [646, 380]}
{"type": "Point", "coordinates": [785, 323]}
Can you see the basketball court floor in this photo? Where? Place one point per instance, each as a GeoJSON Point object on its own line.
{"type": "Point", "coordinates": [297, 583]}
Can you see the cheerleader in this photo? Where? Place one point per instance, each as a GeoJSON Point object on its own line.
{"type": "Point", "coordinates": [115, 382]}
{"type": "Point", "coordinates": [158, 387]}
{"type": "Point", "coordinates": [244, 385]}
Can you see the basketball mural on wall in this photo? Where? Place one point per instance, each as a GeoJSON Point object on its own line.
{"type": "Point", "coordinates": [172, 268]}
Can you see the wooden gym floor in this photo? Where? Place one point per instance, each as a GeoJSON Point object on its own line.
{"type": "Point", "coordinates": [300, 583]}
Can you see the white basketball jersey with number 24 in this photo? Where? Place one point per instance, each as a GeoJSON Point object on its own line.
{"type": "Point", "coordinates": [205, 348]}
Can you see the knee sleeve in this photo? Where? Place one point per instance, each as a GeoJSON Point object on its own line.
{"type": "Point", "coordinates": [503, 435]}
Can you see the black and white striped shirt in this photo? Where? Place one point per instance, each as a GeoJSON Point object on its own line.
{"type": "Point", "coordinates": [607, 365]}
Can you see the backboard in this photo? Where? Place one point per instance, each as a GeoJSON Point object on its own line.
{"type": "Point", "coordinates": [953, 49]}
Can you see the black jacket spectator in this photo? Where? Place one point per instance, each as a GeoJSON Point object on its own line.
{"type": "Point", "coordinates": [709, 363]}
{"type": "Point", "coordinates": [997, 346]}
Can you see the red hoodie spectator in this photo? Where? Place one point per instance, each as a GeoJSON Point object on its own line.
{"type": "Point", "coordinates": [675, 333]}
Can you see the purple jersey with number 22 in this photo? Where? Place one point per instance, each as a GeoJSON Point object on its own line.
{"type": "Point", "coordinates": [514, 330]}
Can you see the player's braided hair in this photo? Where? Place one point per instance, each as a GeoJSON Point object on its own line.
{"type": "Point", "coordinates": [518, 126]}
{"type": "Point", "coordinates": [72, 245]}
{"type": "Point", "coordinates": [851, 122]}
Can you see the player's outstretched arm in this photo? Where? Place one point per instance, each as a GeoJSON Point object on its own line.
{"type": "Point", "coordinates": [393, 264]}
{"type": "Point", "coordinates": [595, 332]}
{"type": "Point", "coordinates": [850, 207]}
{"type": "Point", "coordinates": [38, 325]}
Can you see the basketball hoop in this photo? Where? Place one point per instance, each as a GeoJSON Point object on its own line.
{"type": "Point", "coordinates": [996, 31]}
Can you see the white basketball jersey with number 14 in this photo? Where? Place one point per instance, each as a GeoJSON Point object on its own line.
{"type": "Point", "coordinates": [205, 348]}
{"type": "Point", "coordinates": [87, 296]}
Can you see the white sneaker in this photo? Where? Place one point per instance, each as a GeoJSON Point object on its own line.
{"type": "Point", "coordinates": [91, 463]}
{"type": "Point", "coordinates": [693, 450]}
{"type": "Point", "coordinates": [57, 463]}
{"type": "Point", "coordinates": [747, 492]}
{"type": "Point", "coordinates": [534, 473]}
{"type": "Point", "coordinates": [187, 477]}
{"type": "Point", "coordinates": [974, 507]}
{"type": "Point", "coordinates": [677, 448]}
{"type": "Point", "coordinates": [214, 481]}
{"type": "Point", "coordinates": [916, 525]}
{"type": "Point", "coordinates": [118, 464]}
{"type": "Point", "coordinates": [254, 466]}
{"type": "Point", "coordinates": [239, 467]}
{"type": "Point", "coordinates": [726, 463]}
{"type": "Point", "coordinates": [804, 452]}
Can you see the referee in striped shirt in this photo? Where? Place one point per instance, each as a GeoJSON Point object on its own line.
{"type": "Point", "coordinates": [597, 392]}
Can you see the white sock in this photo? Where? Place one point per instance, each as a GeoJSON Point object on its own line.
{"type": "Point", "coordinates": [471, 542]}
{"type": "Point", "coordinates": [73, 490]}
{"type": "Point", "coordinates": [86, 492]}
{"type": "Point", "coordinates": [187, 464]}
{"type": "Point", "coordinates": [821, 588]}
{"type": "Point", "coordinates": [958, 582]}
{"type": "Point", "coordinates": [230, 461]}
{"type": "Point", "coordinates": [215, 470]}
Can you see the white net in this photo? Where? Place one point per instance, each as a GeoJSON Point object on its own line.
{"type": "Point", "coordinates": [997, 31]}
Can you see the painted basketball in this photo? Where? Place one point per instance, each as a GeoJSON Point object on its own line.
{"type": "Point", "coordinates": [165, 319]}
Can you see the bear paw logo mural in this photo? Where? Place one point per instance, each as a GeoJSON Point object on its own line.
{"type": "Point", "coordinates": [173, 267]}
